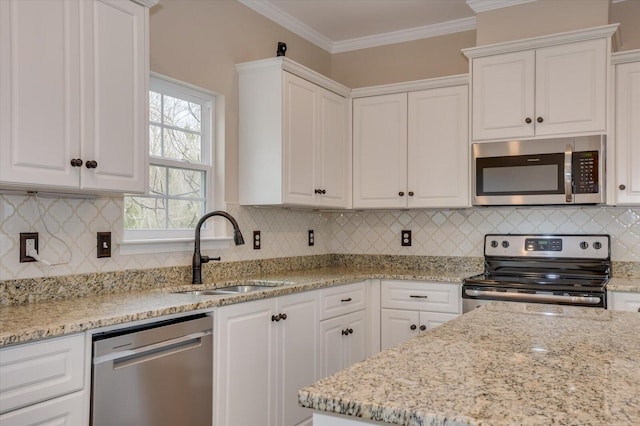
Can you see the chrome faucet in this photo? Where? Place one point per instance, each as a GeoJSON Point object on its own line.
{"type": "Point", "coordinates": [198, 259]}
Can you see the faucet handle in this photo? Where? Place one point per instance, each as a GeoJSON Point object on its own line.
{"type": "Point", "coordinates": [206, 259]}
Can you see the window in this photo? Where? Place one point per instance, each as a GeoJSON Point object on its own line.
{"type": "Point", "coordinates": [181, 164]}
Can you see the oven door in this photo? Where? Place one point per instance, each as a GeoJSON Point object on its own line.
{"type": "Point", "coordinates": [474, 296]}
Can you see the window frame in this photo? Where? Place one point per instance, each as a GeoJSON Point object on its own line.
{"type": "Point", "coordinates": [137, 241]}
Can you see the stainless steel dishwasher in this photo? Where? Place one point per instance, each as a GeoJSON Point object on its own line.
{"type": "Point", "coordinates": [157, 374]}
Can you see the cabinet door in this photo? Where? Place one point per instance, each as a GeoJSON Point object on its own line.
{"type": "Point", "coordinates": [63, 411]}
{"type": "Point", "coordinates": [397, 326]}
{"type": "Point", "coordinates": [627, 142]}
{"type": "Point", "coordinates": [245, 364]}
{"type": "Point", "coordinates": [333, 153]}
{"type": "Point", "coordinates": [438, 148]}
{"type": "Point", "coordinates": [356, 341]}
{"type": "Point", "coordinates": [39, 92]}
{"type": "Point", "coordinates": [433, 319]}
{"type": "Point", "coordinates": [299, 140]}
{"type": "Point", "coordinates": [332, 352]}
{"type": "Point", "coordinates": [298, 352]}
{"type": "Point", "coordinates": [571, 88]}
{"type": "Point", "coordinates": [380, 151]}
{"type": "Point", "coordinates": [503, 96]}
{"type": "Point", "coordinates": [115, 97]}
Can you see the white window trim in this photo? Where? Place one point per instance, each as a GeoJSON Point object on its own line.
{"type": "Point", "coordinates": [213, 236]}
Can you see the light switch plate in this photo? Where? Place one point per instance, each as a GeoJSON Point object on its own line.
{"type": "Point", "coordinates": [103, 248]}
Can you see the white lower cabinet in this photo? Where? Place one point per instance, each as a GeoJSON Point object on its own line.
{"type": "Point", "coordinates": [398, 325]}
{"type": "Point", "coordinates": [623, 301]}
{"type": "Point", "coordinates": [63, 411]}
{"type": "Point", "coordinates": [42, 382]}
{"type": "Point", "coordinates": [265, 351]}
{"type": "Point", "coordinates": [342, 342]}
{"type": "Point", "coordinates": [410, 308]}
{"type": "Point", "coordinates": [343, 329]}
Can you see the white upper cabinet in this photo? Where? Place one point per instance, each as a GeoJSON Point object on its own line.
{"type": "Point", "coordinates": [115, 95]}
{"type": "Point", "coordinates": [411, 149]}
{"type": "Point", "coordinates": [73, 78]}
{"type": "Point", "coordinates": [540, 87]}
{"type": "Point", "coordinates": [503, 96]}
{"type": "Point", "coordinates": [380, 151]}
{"type": "Point", "coordinates": [438, 148]}
{"type": "Point", "coordinates": [294, 136]}
{"type": "Point", "coordinates": [626, 180]}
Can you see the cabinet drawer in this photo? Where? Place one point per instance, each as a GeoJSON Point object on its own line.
{"type": "Point", "coordinates": [621, 301]}
{"type": "Point", "coordinates": [37, 371]}
{"type": "Point", "coordinates": [342, 300]}
{"type": "Point", "coordinates": [63, 411]}
{"type": "Point", "coordinates": [421, 296]}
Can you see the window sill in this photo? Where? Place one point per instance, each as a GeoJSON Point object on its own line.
{"type": "Point", "coordinates": [167, 245]}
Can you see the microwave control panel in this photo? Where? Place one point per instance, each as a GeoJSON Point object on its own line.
{"type": "Point", "coordinates": [585, 172]}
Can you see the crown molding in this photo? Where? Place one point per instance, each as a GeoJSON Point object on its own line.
{"type": "Point", "coordinates": [542, 41]}
{"type": "Point", "coordinates": [287, 21]}
{"type": "Point", "coordinates": [292, 24]}
{"type": "Point", "coordinates": [625, 56]}
{"type": "Point", "coordinates": [146, 3]}
{"type": "Point", "coordinates": [411, 34]}
{"type": "Point", "coordinates": [484, 5]}
{"type": "Point", "coordinates": [410, 86]}
{"type": "Point", "coordinates": [286, 64]}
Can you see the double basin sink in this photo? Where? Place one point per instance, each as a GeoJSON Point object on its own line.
{"type": "Point", "coordinates": [232, 289]}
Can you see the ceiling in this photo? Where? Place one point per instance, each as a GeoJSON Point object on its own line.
{"type": "Point", "coordinates": [344, 25]}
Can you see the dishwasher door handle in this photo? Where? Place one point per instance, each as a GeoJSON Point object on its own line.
{"type": "Point", "coordinates": [155, 350]}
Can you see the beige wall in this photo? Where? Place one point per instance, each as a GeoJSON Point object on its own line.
{"type": "Point", "coordinates": [538, 18]}
{"type": "Point", "coordinates": [414, 60]}
{"type": "Point", "coordinates": [200, 41]}
{"type": "Point", "coordinates": [627, 13]}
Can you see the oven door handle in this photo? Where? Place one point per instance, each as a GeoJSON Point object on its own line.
{"type": "Point", "coordinates": [568, 157]}
{"type": "Point", "coordinates": [537, 297]}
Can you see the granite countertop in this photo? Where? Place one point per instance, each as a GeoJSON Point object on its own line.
{"type": "Point", "coordinates": [624, 284]}
{"type": "Point", "coordinates": [501, 364]}
{"type": "Point", "coordinates": [28, 322]}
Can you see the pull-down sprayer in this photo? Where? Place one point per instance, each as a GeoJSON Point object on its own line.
{"type": "Point", "coordinates": [198, 259]}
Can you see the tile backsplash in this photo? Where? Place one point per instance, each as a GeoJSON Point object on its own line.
{"type": "Point", "coordinates": [284, 232]}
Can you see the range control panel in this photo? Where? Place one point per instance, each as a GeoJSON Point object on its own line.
{"type": "Point", "coordinates": [593, 246]}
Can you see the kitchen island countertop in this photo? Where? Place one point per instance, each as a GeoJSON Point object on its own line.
{"type": "Point", "coordinates": [501, 364]}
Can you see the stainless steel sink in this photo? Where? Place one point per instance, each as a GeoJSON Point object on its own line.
{"type": "Point", "coordinates": [233, 289]}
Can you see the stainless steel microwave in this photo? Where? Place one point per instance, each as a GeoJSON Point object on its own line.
{"type": "Point", "coordinates": [537, 172]}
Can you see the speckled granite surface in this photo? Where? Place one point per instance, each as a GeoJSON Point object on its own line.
{"type": "Point", "coordinates": [34, 290]}
{"type": "Point", "coordinates": [502, 364]}
{"type": "Point", "coordinates": [631, 285]}
{"type": "Point", "coordinates": [31, 321]}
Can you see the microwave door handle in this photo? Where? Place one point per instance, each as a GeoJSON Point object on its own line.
{"type": "Point", "coordinates": [568, 154]}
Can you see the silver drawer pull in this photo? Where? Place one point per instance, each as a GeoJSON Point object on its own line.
{"type": "Point", "coordinates": [415, 296]}
{"type": "Point", "coordinates": [348, 299]}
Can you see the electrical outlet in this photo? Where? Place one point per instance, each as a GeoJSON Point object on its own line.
{"type": "Point", "coordinates": [312, 239]}
{"type": "Point", "coordinates": [103, 248]}
{"type": "Point", "coordinates": [256, 240]}
{"type": "Point", "coordinates": [28, 240]}
{"type": "Point", "coordinates": [405, 238]}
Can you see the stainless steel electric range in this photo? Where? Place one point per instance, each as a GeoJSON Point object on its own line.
{"type": "Point", "coordinates": [555, 269]}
